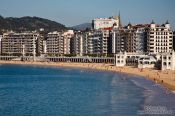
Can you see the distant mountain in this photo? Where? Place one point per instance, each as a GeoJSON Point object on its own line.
{"type": "Point", "coordinates": [29, 24]}
{"type": "Point", "coordinates": [82, 26]}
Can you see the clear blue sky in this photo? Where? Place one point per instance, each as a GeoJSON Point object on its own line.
{"type": "Point", "coordinates": [73, 12]}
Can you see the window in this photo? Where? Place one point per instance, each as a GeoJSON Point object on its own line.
{"type": "Point", "coordinates": [152, 62]}
{"type": "Point", "coordinates": [169, 63]}
{"type": "Point", "coordinates": [164, 63]}
{"type": "Point", "coordinates": [146, 62]}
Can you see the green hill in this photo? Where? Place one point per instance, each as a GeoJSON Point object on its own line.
{"type": "Point", "coordinates": [29, 24]}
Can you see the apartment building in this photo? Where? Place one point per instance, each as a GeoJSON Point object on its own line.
{"type": "Point", "coordinates": [174, 40]}
{"type": "Point", "coordinates": [21, 43]}
{"type": "Point", "coordinates": [58, 43]}
{"type": "Point", "coordinates": [79, 44]}
{"type": "Point", "coordinates": [0, 43]}
{"type": "Point", "coordinates": [55, 43]}
{"type": "Point", "coordinates": [68, 35]}
{"type": "Point", "coordinates": [140, 39]}
{"type": "Point", "coordinates": [121, 40]}
{"type": "Point", "coordinates": [159, 38]}
{"type": "Point", "coordinates": [97, 42]}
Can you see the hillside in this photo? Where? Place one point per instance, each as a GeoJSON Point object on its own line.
{"type": "Point", "coordinates": [29, 24]}
{"type": "Point", "coordinates": [82, 26]}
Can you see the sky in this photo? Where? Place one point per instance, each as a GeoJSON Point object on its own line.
{"type": "Point", "coordinates": [74, 12]}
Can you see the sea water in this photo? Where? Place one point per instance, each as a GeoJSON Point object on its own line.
{"type": "Point", "coordinates": [52, 91]}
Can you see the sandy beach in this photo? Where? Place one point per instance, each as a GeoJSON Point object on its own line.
{"type": "Point", "coordinates": [165, 78]}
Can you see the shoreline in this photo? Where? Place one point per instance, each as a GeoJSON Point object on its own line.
{"type": "Point", "coordinates": [165, 78]}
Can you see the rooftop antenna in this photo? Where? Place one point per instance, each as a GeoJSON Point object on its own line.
{"type": "Point", "coordinates": [120, 25]}
{"type": "Point", "coordinates": [119, 13]}
{"type": "Point", "coordinates": [112, 14]}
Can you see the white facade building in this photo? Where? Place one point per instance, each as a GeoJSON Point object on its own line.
{"type": "Point", "coordinates": [146, 62]}
{"type": "Point", "coordinates": [120, 59]}
{"type": "Point", "coordinates": [101, 23]}
{"type": "Point", "coordinates": [168, 61]}
{"type": "Point", "coordinates": [124, 58]}
{"type": "Point", "coordinates": [160, 38]}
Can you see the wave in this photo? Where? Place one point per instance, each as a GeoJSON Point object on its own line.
{"type": "Point", "coordinates": [155, 94]}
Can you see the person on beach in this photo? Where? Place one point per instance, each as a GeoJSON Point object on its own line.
{"type": "Point", "coordinates": [162, 81]}
{"type": "Point", "coordinates": [141, 70]}
{"type": "Point", "coordinates": [156, 81]}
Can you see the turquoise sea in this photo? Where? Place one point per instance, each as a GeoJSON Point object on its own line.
{"type": "Point", "coordinates": [50, 91]}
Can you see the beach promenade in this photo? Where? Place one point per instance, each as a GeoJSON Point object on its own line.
{"type": "Point", "coordinates": [165, 78]}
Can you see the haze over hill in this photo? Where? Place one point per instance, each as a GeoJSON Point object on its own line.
{"type": "Point", "coordinates": [82, 26]}
{"type": "Point", "coordinates": [29, 24]}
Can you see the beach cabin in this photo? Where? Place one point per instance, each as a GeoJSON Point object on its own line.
{"type": "Point", "coordinates": [168, 61]}
{"type": "Point", "coordinates": [120, 59]}
{"type": "Point", "coordinates": [147, 62]}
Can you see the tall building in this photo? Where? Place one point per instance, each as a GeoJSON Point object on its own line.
{"type": "Point", "coordinates": [101, 23]}
{"type": "Point", "coordinates": [44, 44]}
{"type": "Point", "coordinates": [129, 39]}
{"type": "Point", "coordinates": [118, 40]}
{"type": "Point", "coordinates": [97, 42]}
{"type": "Point", "coordinates": [68, 35]}
{"type": "Point", "coordinates": [174, 40]}
{"type": "Point", "coordinates": [21, 43]}
{"type": "Point", "coordinates": [140, 38]}
{"type": "Point", "coordinates": [79, 44]}
{"type": "Point", "coordinates": [140, 43]}
{"type": "Point", "coordinates": [55, 42]}
{"type": "Point", "coordinates": [160, 38]}
{"type": "Point", "coordinates": [93, 42]}
{"type": "Point", "coordinates": [0, 43]}
{"type": "Point", "coordinates": [58, 43]}
{"type": "Point", "coordinates": [122, 40]}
